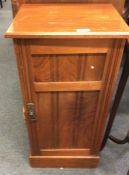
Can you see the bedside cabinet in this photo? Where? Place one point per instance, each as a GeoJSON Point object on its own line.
{"type": "Point", "coordinates": [68, 57]}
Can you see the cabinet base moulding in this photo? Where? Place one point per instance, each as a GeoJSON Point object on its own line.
{"type": "Point", "coordinates": [64, 161]}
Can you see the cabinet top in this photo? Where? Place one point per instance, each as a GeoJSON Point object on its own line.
{"type": "Point", "coordinates": [68, 20]}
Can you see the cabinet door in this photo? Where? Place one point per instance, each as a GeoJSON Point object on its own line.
{"type": "Point", "coordinates": [68, 82]}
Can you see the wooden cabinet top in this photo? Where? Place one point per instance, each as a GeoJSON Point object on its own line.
{"type": "Point", "coordinates": [68, 20]}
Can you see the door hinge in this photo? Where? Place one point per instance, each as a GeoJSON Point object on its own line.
{"type": "Point", "coordinates": [31, 111]}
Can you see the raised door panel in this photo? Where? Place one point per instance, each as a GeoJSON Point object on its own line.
{"type": "Point", "coordinates": [83, 67]}
{"type": "Point", "coordinates": [65, 119]}
{"type": "Point", "coordinates": [66, 88]}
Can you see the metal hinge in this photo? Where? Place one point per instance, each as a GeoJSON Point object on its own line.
{"type": "Point", "coordinates": [31, 111]}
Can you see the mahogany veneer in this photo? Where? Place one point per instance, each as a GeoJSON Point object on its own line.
{"type": "Point", "coordinates": [68, 64]}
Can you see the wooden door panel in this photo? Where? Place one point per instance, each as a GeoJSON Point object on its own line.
{"type": "Point", "coordinates": [65, 119]}
{"type": "Point", "coordinates": [66, 90]}
{"type": "Point", "coordinates": [61, 68]}
{"type": "Point", "coordinates": [67, 87]}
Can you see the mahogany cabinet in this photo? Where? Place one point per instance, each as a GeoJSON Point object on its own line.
{"type": "Point", "coordinates": [68, 64]}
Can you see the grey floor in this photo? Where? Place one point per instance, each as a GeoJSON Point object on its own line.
{"type": "Point", "coordinates": [13, 135]}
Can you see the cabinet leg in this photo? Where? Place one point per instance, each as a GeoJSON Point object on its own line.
{"type": "Point", "coordinates": [118, 96]}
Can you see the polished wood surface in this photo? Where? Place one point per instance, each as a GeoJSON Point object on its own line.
{"type": "Point", "coordinates": [66, 161]}
{"type": "Point", "coordinates": [82, 21]}
{"type": "Point", "coordinates": [69, 81]}
{"type": "Point", "coordinates": [69, 46]}
{"type": "Point", "coordinates": [66, 119]}
{"type": "Point", "coordinates": [67, 86]}
{"type": "Point", "coordinates": [118, 4]}
{"type": "Point", "coordinates": [69, 62]}
{"type": "Point", "coordinates": [118, 96]}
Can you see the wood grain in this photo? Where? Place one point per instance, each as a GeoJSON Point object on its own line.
{"type": "Point", "coordinates": [47, 20]}
{"type": "Point", "coordinates": [69, 46]}
{"type": "Point", "coordinates": [65, 152]}
{"type": "Point", "coordinates": [67, 161]}
{"type": "Point", "coordinates": [110, 79]}
{"type": "Point", "coordinates": [64, 118]}
{"type": "Point", "coordinates": [68, 86]}
{"type": "Point", "coordinates": [61, 119]}
{"type": "Point", "coordinates": [68, 66]}
{"type": "Point", "coordinates": [21, 55]}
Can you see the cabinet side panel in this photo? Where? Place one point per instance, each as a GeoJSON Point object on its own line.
{"type": "Point", "coordinates": [22, 62]}
{"type": "Point", "coordinates": [115, 57]}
